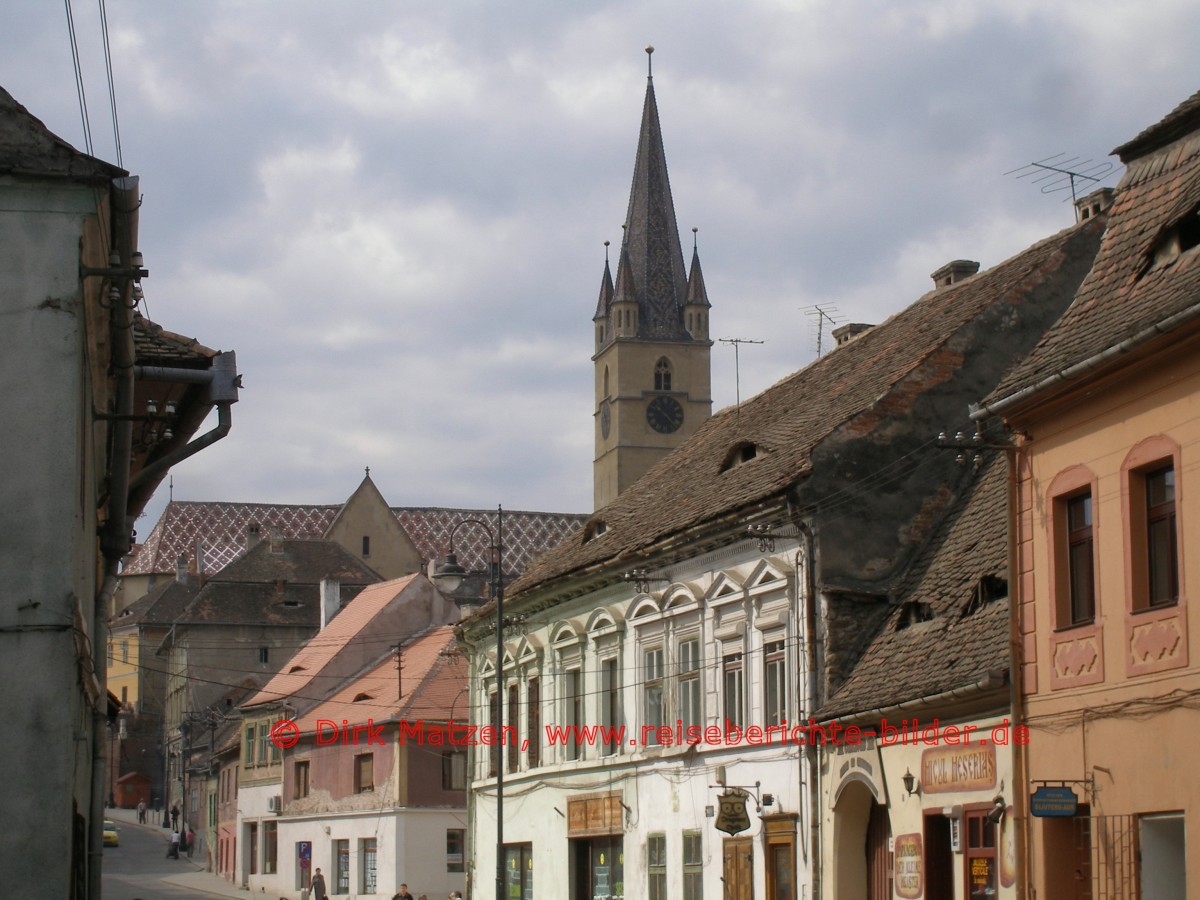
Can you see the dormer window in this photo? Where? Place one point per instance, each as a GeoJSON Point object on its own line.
{"type": "Point", "coordinates": [914, 613]}
{"type": "Point", "coordinates": [593, 529]}
{"type": "Point", "coordinates": [740, 453]}
{"type": "Point", "coordinates": [662, 374]}
{"type": "Point", "coordinates": [1175, 240]}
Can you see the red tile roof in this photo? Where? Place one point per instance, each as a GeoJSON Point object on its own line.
{"type": "Point", "coordinates": [434, 676]}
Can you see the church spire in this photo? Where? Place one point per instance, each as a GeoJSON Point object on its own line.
{"type": "Point", "coordinates": [651, 247]}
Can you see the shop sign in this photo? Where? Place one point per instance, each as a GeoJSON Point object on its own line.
{"type": "Point", "coordinates": [732, 817]}
{"type": "Point", "coordinates": [982, 877]}
{"type": "Point", "coordinates": [594, 816]}
{"type": "Point", "coordinates": [909, 868]}
{"type": "Point", "coordinates": [949, 769]}
{"type": "Point", "coordinates": [1053, 801]}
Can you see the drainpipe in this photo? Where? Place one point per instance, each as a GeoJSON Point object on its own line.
{"type": "Point", "coordinates": [116, 534]}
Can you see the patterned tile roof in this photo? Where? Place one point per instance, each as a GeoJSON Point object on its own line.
{"type": "Point", "coordinates": [965, 640]}
{"type": "Point", "coordinates": [1138, 280]}
{"type": "Point", "coordinates": [869, 386]}
{"type": "Point", "coordinates": [222, 529]}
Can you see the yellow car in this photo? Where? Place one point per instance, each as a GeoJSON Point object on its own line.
{"type": "Point", "coordinates": [111, 839]}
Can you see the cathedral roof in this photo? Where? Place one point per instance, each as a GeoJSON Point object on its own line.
{"type": "Point", "coordinates": [651, 260]}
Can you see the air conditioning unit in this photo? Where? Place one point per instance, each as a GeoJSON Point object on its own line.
{"type": "Point", "coordinates": [274, 804]}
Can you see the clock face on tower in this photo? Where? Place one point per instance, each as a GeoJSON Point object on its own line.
{"type": "Point", "coordinates": [664, 414]}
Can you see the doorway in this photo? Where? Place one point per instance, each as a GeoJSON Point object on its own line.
{"type": "Point", "coordinates": [939, 858]}
{"type": "Point", "coordinates": [599, 868]}
{"type": "Point", "coordinates": [738, 868]}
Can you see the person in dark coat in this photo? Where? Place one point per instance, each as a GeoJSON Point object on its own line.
{"type": "Point", "coordinates": [318, 885]}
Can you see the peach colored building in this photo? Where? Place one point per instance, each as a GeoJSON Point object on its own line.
{"type": "Point", "coordinates": [1107, 414]}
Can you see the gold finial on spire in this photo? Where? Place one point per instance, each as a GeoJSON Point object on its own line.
{"type": "Point", "coordinates": [649, 61]}
{"type": "Point", "coordinates": [606, 252]}
{"type": "Point", "coordinates": [694, 230]}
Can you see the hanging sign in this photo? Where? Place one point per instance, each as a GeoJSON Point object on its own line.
{"type": "Point", "coordinates": [732, 817]}
{"type": "Point", "coordinates": [1053, 802]}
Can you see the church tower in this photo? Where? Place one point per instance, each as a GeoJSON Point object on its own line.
{"type": "Point", "coordinates": [653, 383]}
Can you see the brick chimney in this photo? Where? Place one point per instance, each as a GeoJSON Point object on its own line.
{"type": "Point", "coordinates": [181, 569]}
{"type": "Point", "coordinates": [953, 272]}
{"type": "Point", "coordinates": [253, 534]}
{"type": "Point", "coordinates": [1093, 204]}
{"type": "Point", "coordinates": [276, 539]}
{"type": "Point", "coordinates": [843, 334]}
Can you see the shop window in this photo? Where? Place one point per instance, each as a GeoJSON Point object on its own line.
{"type": "Point", "coordinates": [270, 847]}
{"type": "Point", "coordinates": [518, 871]}
{"type": "Point", "coordinates": [252, 845]}
{"type": "Point", "coordinates": [455, 842]}
{"type": "Point", "coordinates": [341, 867]}
{"type": "Point", "coordinates": [980, 855]}
{"type": "Point", "coordinates": [656, 867]}
{"type": "Point", "coordinates": [368, 855]}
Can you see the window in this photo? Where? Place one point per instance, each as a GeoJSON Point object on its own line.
{"type": "Point", "coordinates": [252, 844]}
{"type": "Point", "coordinates": [124, 695]}
{"type": "Point", "coordinates": [980, 854]}
{"type": "Point", "coordinates": [573, 710]}
{"type": "Point", "coordinates": [264, 733]}
{"type": "Point", "coordinates": [1080, 559]}
{"type": "Point", "coordinates": [775, 684]}
{"type": "Point", "coordinates": [1162, 552]}
{"type": "Point", "coordinates": [693, 866]}
{"type": "Point", "coordinates": [364, 773]}
{"type": "Point", "coordinates": [264, 655]}
{"type": "Point", "coordinates": [270, 847]}
{"type": "Point", "coordinates": [662, 375]}
{"type": "Point", "coordinates": [455, 841]}
{"type": "Point", "coordinates": [341, 867]}
{"type": "Point", "coordinates": [111, 660]}
{"type": "Point", "coordinates": [494, 721]}
{"type": "Point", "coordinates": [533, 734]}
{"type": "Point", "coordinates": [610, 714]}
{"type": "Point", "coordinates": [656, 867]}
{"type": "Point", "coordinates": [124, 651]}
{"type": "Point", "coordinates": [514, 719]}
{"type": "Point", "coordinates": [454, 770]}
{"type": "Point", "coordinates": [689, 683]}
{"type": "Point", "coordinates": [735, 691]}
{"type": "Point", "coordinates": [366, 544]}
{"type": "Point", "coordinates": [652, 692]}
{"type": "Point", "coordinates": [367, 854]}
{"type": "Point", "coordinates": [518, 870]}
{"type": "Point", "coordinates": [300, 779]}
{"type": "Point", "coordinates": [275, 751]}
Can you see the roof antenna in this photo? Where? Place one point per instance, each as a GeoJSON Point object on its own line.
{"type": "Point", "coordinates": [650, 62]}
{"type": "Point", "coordinates": [694, 230]}
{"type": "Point", "coordinates": [606, 253]}
{"type": "Point", "coordinates": [1057, 174]}
{"type": "Point", "coordinates": [822, 315]}
{"type": "Point", "coordinates": [737, 367]}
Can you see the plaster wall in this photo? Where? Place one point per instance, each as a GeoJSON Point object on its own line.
{"type": "Point", "coordinates": [48, 514]}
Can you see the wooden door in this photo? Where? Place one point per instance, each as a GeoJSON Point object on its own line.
{"type": "Point", "coordinates": [879, 854]}
{"type": "Point", "coordinates": [738, 869]}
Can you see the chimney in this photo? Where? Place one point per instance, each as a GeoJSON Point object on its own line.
{"type": "Point", "coordinates": [181, 569]}
{"type": "Point", "coordinates": [276, 539]}
{"type": "Point", "coordinates": [200, 560]}
{"type": "Point", "coordinates": [1094, 204]}
{"type": "Point", "coordinates": [331, 599]}
{"type": "Point", "coordinates": [953, 272]}
{"type": "Point", "coordinates": [843, 334]}
{"type": "Point", "coordinates": [253, 534]}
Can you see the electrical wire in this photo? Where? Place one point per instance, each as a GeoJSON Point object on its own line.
{"type": "Point", "coordinates": [83, 113]}
{"type": "Point", "coordinates": [112, 93]}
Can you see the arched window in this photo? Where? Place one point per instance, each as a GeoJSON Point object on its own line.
{"type": "Point", "coordinates": [662, 375]}
{"type": "Point", "coordinates": [606, 381]}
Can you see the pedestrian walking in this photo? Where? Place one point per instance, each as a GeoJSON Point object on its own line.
{"type": "Point", "coordinates": [191, 840]}
{"type": "Point", "coordinates": [403, 893]}
{"type": "Point", "coordinates": [173, 850]}
{"type": "Point", "coordinates": [318, 885]}
{"type": "Point", "coordinates": [141, 812]}
{"type": "Point", "coordinates": [175, 817]}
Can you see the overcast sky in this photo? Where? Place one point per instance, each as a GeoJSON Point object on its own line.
{"type": "Point", "coordinates": [395, 211]}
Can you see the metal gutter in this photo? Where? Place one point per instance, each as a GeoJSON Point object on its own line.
{"type": "Point", "coordinates": [979, 411]}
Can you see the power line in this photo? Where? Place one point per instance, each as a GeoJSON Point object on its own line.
{"type": "Point", "coordinates": [83, 113]}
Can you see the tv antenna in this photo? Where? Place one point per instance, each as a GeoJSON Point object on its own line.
{"type": "Point", "coordinates": [737, 366]}
{"type": "Point", "coordinates": [1059, 172]}
{"type": "Point", "coordinates": [822, 315]}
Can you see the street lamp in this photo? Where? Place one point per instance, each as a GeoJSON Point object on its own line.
{"type": "Point", "coordinates": [449, 576]}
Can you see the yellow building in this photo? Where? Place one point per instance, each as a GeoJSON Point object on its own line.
{"type": "Point", "coordinates": [1108, 423]}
